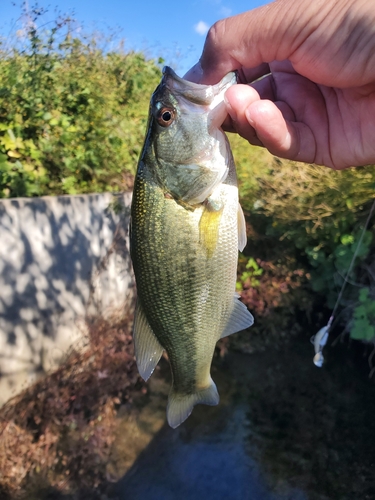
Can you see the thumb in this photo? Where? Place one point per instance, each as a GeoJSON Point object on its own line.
{"type": "Point", "coordinates": [264, 123]}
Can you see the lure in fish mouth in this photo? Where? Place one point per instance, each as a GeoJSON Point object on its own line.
{"type": "Point", "coordinates": [186, 229]}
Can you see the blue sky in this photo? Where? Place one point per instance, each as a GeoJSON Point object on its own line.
{"type": "Point", "coordinates": [173, 29]}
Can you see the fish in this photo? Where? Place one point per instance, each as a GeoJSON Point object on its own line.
{"type": "Point", "coordinates": [186, 229]}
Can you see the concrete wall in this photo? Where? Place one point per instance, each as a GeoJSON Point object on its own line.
{"type": "Point", "coordinates": [61, 259]}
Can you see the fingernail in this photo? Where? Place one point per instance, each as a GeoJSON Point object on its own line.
{"type": "Point", "coordinates": [230, 110]}
{"type": "Point", "coordinates": [249, 117]}
{"type": "Point", "coordinates": [228, 104]}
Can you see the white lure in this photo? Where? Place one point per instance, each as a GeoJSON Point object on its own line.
{"type": "Point", "coordinates": [319, 340]}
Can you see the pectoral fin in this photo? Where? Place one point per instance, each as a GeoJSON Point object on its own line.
{"type": "Point", "coordinates": [240, 318]}
{"type": "Point", "coordinates": [209, 225]}
{"type": "Point", "coordinates": [147, 347]}
{"type": "Point", "coordinates": [242, 236]}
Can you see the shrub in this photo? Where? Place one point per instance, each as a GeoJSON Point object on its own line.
{"type": "Point", "coordinates": [313, 217]}
{"type": "Point", "coordinates": [72, 114]}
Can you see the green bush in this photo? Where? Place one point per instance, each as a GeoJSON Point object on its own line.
{"type": "Point", "coordinates": [72, 115]}
{"type": "Point", "coordinates": [363, 322]}
{"type": "Point", "coordinates": [312, 218]}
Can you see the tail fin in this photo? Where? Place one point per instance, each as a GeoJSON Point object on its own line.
{"type": "Point", "coordinates": [181, 405]}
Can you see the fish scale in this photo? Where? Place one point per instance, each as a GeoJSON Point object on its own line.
{"type": "Point", "coordinates": [179, 275]}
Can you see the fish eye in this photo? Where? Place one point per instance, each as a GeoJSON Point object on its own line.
{"type": "Point", "coordinates": [165, 117]}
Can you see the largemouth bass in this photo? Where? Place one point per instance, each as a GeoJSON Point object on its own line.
{"type": "Point", "coordinates": [186, 229]}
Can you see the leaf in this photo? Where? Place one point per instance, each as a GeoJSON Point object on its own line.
{"type": "Point", "coordinates": [347, 239]}
{"type": "Point", "coordinates": [360, 312]}
{"type": "Point", "coordinates": [363, 294]}
{"type": "Point", "coordinates": [3, 158]}
{"type": "Point", "coordinates": [362, 330]}
{"type": "Point", "coordinates": [13, 154]}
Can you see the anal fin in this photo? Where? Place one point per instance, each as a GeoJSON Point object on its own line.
{"type": "Point", "coordinates": [147, 347]}
{"type": "Point", "coordinates": [239, 319]}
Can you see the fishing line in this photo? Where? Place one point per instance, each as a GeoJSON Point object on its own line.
{"type": "Point", "coordinates": [320, 339]}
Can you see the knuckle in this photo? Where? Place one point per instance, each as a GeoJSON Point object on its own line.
{"type": "Point", "coordinates": [216, 32]}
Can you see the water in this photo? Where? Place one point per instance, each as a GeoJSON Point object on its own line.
{"type": "Point", "coordinates": [206, 457]}
{"type": "Point", "coordinates": [284, 429]}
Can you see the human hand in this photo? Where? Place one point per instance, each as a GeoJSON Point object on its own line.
{"type": "Point", "coordinates": [317, 101]}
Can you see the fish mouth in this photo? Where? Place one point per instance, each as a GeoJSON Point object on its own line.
{"type": "Point", "coordinates": [196, 92]}
{"type": "Point", "coordinates": [209, 96]}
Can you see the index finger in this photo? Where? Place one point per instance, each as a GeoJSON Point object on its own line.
{"type": "Point", "coordinates": [237, 43]}
{"type": "Point", "coordinates": [253, 39]}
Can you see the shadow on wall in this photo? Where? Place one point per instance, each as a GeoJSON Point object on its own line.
{"type": "Point", "coordinates": [61, 259]}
